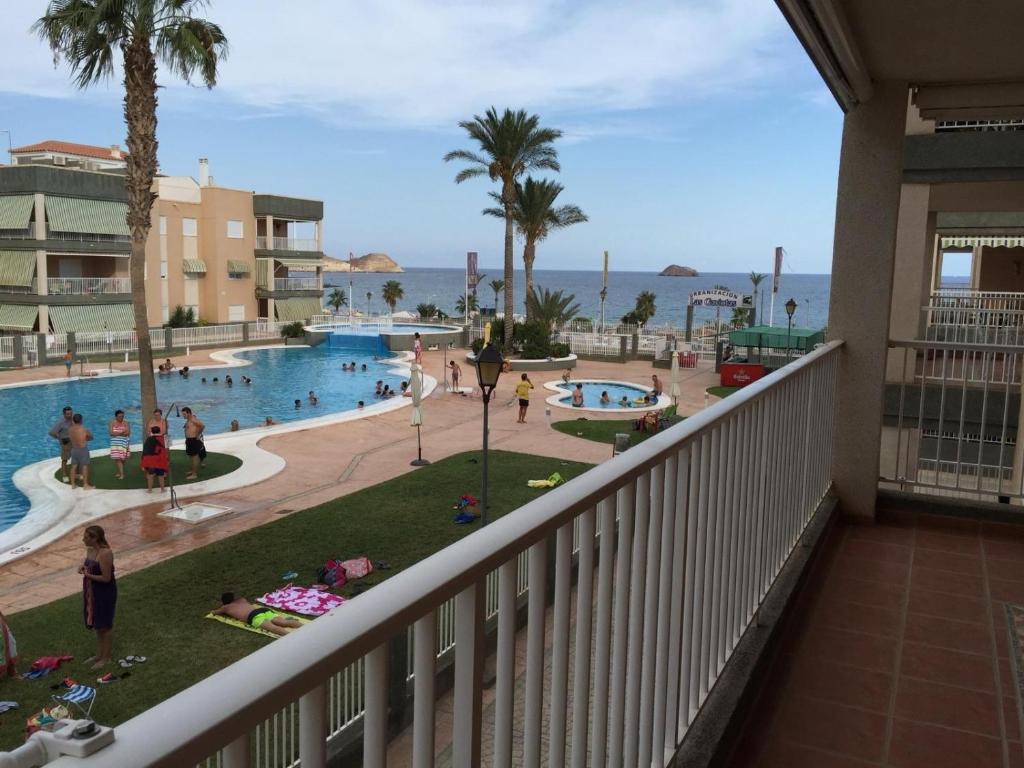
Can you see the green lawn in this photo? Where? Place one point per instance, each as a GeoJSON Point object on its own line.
{"type": "Point", "coordinates": [160, 609]}
{"type": "Point", "coordinates": [604, 431]}
{"type": "Point", "coordinates": [723, 391]}
{"type": "Point", "coordinates": [101, 470]}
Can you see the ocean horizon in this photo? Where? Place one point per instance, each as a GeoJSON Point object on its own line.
{"type": "Point", "coordinates": [443, 287]}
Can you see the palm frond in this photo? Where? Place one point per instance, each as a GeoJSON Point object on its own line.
{"type": "Point", "coordinates": [188, 46]}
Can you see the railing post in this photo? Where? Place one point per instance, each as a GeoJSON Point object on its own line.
{"type": "Point", "coordinates": [313, 728]}
{"type": "Point", "coordinates": [245, 332]}
{"type": "Point", "coordinates": [469, 674]}
{"type": "Point", "coordinates": [398, 674]}
{"type": "Point", "coordinates": [623, 354]}
{"type": "Point", "coordinates": [168, 340]}
{"type": "Point", "coordinates": [375, 727]}
{"type": "Point", "coordinates": [41, 348]}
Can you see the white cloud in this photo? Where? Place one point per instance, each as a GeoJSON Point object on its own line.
{"type": "Point", "coordinates": [428, 63]}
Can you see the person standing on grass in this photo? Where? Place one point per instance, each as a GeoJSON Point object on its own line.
{"type": "Point", "coordinates": [99, 593]}
{"type": "Point", "coordinates": [523, 393]}
{"type": "Point", "coordinates": [120, 432]}
{"type": "Point", "coordinates": [79, 437]}
{"type": "Point", "coordinates": [59, 432]}
{"type": "Point", "coordinates": [417, 348]}
{"type": "Point", "coordinates": [154, 460]}
{"type": "Point", "coordinates": [194, 447]}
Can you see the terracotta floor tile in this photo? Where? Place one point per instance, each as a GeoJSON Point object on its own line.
{"type": "Point", "coordinates": [875, 551]}
{"type": "Point", "coordinates": [918, 745]}
{"type": "Point", "coordinates": [947, 581]}
{"type": "Point", "coordinates": [1002, 531]}
{"type": "Point", "coordinates": [832, 727]}
{"type": "Point", "coordinates": [941, 665]}
{"type": "Point", "coordinates": [1003, 568]}
{"type": "Point", "coordinates": [947, 561]}
{"type": "Point", "coordinates": [944, 542]}
{"type": "Point", "coordinates": [851, 648]}
{"type": "Point", "coordinates": [889, 573]}
{"type": "Point", "coordinates": [948, 633]}
{"type": "Point", "coordinates": [1007, 548]}
{"type": "Point", "coordinates": [927, 702]}
{"type": "Point", "coordinates": [785, 754]}
{"type": "Point", "coordinates": [1001, 634]}
{"type": "Point", "coordinates": [1009, 591]}
{"type": "Point", "coordinates": [1011, 716]}
{"type": "Point", "coordinates": [1015, 755]}
{"type": "Point", "coordinates": [1006, 681]}
{"type": "Point", "coordinates": [953, 526]}
{"type": "Point", "coordinates": [858, 618]}
{"type": "Point", "coordinates": [823, 679]}
{"type": "Point", "coordinates": [875, 593]}
{"type": "Point", "coordinates": [886, 534]}
{"type": "Point", "coordinates": [959, 607]}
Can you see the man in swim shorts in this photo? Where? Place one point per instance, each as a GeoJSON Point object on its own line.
{"type": "Point", "coordinates": [79, 460]}
{"type": "Point", "coordinates": [59, 432]}
{"type": "Point", "coordinates": [523, 393]}
{"type": "Point", "coordinates": [256, 616]}
{"type": "Point", "coordinates": [194, 447]}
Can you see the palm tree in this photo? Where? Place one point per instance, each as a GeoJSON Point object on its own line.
{"type": "Point", "coordinates": [337, 300]}
{"type": "Point", "coordinates": [88, 35]}
{"type": "Point", "coordinates": [392, 293]}
{"type": "Point", "coordinates": [426, 311]}
{"type": "Point", "coordinates": [645, 308]}
{"type": "Point", "coordinates": [497, 286]}
{"type": "Point", "coordinates": [552, 308]}
{"type": "Point", "coordinates": [464, 308]}
{"type": "Point", "coordinates": [535, 216]}
{"type": "Point", "coordinates": [509, 145]}
{"type": "Point", "coordinates": [369, 295]}
{"type": "Point", "coordinates": [756, 278]}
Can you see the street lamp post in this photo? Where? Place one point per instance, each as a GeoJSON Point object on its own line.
{"type": "Point", "coordinates": [110, 351]}
{"type": "Point", "coordinates": [604, 295]}
{"type": "Point", "coordinates": [488, 369]}
{"type": "Point", "coordinates": [790, 309]}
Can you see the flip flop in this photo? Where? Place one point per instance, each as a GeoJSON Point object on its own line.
{"type": "Point", "coordinates": [382, 565]}
{"type": "Point", "coordinates": [289, 575]}
{"type": "Point", "coordinates": [124, 663]}
{"type": "Point", "coordinates": [136, 659]}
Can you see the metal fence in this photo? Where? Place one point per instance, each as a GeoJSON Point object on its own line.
{"type": "Point", "coordinates": [84, 286]}
{"type": "Point", "coordinates": [951, 420]}
{"type": "Point", "coordinates": [708, 513]}
{"type": "Point", "coordinates": [6, 347]}
{"type": "Point", "coordinates": [974, 317]}
{"type": "Point", "coordinates": [209, 335]}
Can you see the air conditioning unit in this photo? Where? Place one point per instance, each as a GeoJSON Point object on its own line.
{"type": "Point", "coordinates": [60, 160]}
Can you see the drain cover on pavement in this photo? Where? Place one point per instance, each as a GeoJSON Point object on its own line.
{"type": "Point", "coordinates": [196, 512]}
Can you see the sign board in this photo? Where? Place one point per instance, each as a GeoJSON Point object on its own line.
{"type": "Point", "coordinates": [747, 301]}
{"type": "Point", "coordinates": [714, 297]}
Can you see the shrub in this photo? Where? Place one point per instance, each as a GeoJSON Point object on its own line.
{"type": "Point", "coordinates": [533, 351]}
{"type": "Point", "coordinates": [477, 345]}
{"type": "Point", "coordinates": [426, 311]}
{"type": "Point", "coordinates": [559, 349]}
{"type": "Point", "coordinates": [498, 332]}
{"type": "Point", "coordinates": [293, 330]}
{"type": "Point", "coordinates": [534, 334]}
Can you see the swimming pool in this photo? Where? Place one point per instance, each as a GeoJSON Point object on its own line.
{"type": "Point", "coordinates": [375, 330]}
{"type": "Point", "coordinates": [592, 389]}
{"type": "Point", "coordinates": [280, 375]}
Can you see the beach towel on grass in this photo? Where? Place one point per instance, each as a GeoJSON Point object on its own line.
{"type": "Point", "coordinates": [303, 600]}
{"type": "Point", "coordinates": [248, 627]}
{"type": "Point", "coordinates": [553, 479]}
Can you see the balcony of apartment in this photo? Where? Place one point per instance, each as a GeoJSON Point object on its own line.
{"type": "Point", "coordinates": [264, 243]}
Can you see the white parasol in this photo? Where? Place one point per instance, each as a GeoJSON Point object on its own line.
{"type": "Point", "coordinates": [416, 385]}
{"type": "Point", "coordinates": [673, 389]}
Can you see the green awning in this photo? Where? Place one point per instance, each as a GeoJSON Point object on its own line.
{"type": "Point", "coordinates": [17, 267]}
{"type": "Point", "coordinates": [193, 266]}
{"type": "Point", "coordinates": [15, 211]}
{"type": "Point", "coordinates": [301, 266]}
{"type": "Point", "coordinates": [97, 217]}
{"type": "Point", "coordinates": [291, 310]}
{"type": "Point", "coordinates": [93, 317]}
{"type": "Point", "coordinates": [18, 317]}
{"type": "Point", "coordinates": [238, 267]}
{"type": "Point", "coordinates": [776, 337]}
{"type": "Point", "coordinates": [262, 270]}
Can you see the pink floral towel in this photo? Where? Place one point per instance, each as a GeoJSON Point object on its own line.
{"type": "Point", "coordinates": [302, 600]}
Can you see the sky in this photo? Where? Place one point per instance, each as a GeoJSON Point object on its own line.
{"type": "Point", "coordinates": [695, 132]}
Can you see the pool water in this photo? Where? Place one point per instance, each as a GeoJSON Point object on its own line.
{"type": "Point", "coordinates": [592, 393]}
{"type": "Point", "coordinates": [279, 377]}
{"type": "Point", "coordinates": [396, 328]}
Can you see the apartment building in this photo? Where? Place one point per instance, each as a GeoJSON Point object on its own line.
{"type": "Point", "coordinates": [229, 255]}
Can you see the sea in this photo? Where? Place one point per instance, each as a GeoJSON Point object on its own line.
{"type": "Point", "coordinates": [443, 287]}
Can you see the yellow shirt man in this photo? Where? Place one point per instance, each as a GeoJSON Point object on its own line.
{"type": "Point", "coordinates": [523, 393]}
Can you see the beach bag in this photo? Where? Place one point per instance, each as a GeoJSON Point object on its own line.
{"type": "Point", "coordinates": [357, 568]}
{"type": "Point", "coordinates": [332, 574]}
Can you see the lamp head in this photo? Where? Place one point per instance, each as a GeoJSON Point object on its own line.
{"type": "Point", "coordinates": [790, 307]}
{"type": "Point", "coordinates": [488, 368]}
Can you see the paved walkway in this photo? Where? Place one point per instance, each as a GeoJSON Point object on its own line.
{"type": "Point", "coordinates": [903, 659]}
{"type": "Point", "coordinates": [323, 464]}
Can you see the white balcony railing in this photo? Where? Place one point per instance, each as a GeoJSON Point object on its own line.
{"type": "Point", "coordinates": [17, 234]}
{"type": "Point", "coordinates": [286, 243]}
{"type": "Point", "coordinates": [691, 527]}
{"type": "Point", "coordinates": [298, 284]}
{"type": "Point", "coordinates": [83, 236]}
{"type": "Point", "coordinates": [30, 288]}
{"type": "Point", "coordinates": [85, 286]}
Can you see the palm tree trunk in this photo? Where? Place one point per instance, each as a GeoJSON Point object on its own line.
{"type": "Point", "coordinates": [508, 198]}
{"type": "Point", "coordinates": [140, 119]}
{"type": "Point", "coordinates": [529, 253]}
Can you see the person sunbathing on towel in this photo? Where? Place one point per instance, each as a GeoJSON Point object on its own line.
{"type": "Point", "coordinates": [256, 616]}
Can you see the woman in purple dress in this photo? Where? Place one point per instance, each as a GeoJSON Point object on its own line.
{"type": "Point", "coordinates": [99, 593]}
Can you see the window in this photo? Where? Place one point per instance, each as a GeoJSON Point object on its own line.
{"type": "Point", "coordinates": [188, 227]}
{"type": "Point", "coordinates": [163, 225]}
{"type": "Point", "coordinates": [236, 313]}
{"type": "Point", "coordinates": [234, 229]}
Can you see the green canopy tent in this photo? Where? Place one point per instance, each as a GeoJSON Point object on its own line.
{"type": "Point", "coordinates": [769, 337]}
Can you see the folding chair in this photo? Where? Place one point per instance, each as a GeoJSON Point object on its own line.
{"type": "Point", "coordinates": [77, 695]}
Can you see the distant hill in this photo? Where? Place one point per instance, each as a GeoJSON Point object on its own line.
{"type": "Point", "coordinates": [371, 262]}
{"type": "Point", "coordinates": [674, 270]}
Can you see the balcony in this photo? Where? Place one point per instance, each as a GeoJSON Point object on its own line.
{"type": "Point", "coordinates": [16, 234]}
{"type": "Point", "coordinates": [78, 237]}
{"type": "Point", "coordinates": [264, 243]}
{"type": "Point", "coordinates": [87, 286]}
{"type": "Point", "coordinates": [298, 284]}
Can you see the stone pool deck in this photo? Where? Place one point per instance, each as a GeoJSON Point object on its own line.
{"type": "Point", "coordinates": [325, 463]}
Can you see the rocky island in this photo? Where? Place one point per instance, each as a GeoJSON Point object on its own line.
{"type": "Point", "coordinates": [674, 270]}
{"type": "Point", "coordinates": [371, 262]}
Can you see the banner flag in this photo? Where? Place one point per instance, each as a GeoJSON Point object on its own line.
{"type": "Point", "coordinates": [778, 269]}
{"type": "Point", "coordinates": [604, 276]}
{"type": "Point", "coordinates": [471, 273]}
